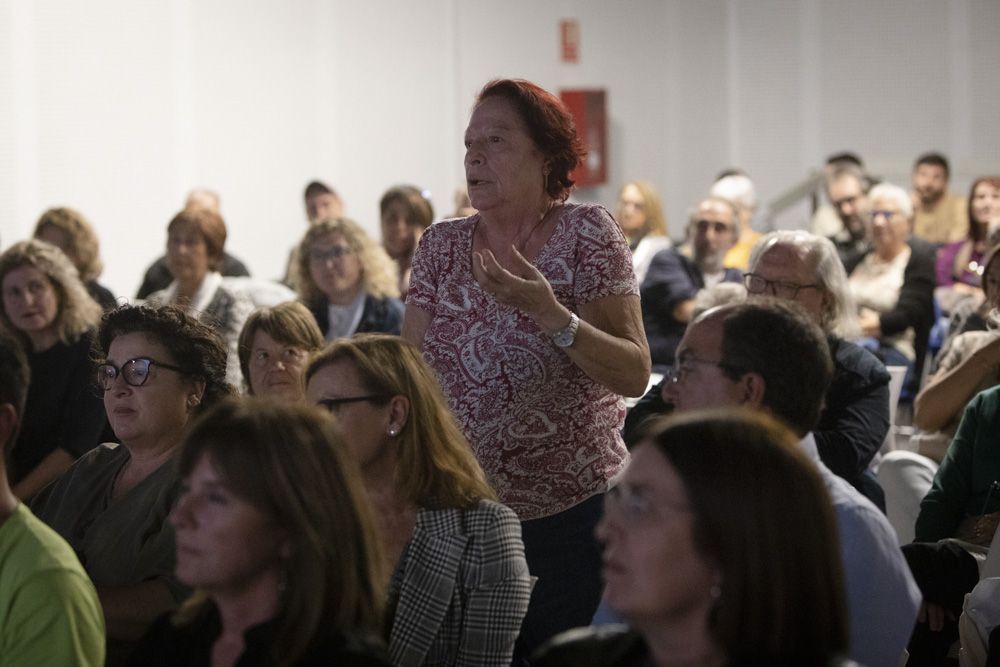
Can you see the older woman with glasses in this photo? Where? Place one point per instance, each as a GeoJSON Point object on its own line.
{"type": "Point", "coordinates": [159, 368]}
{"type": "Point", "coordinates": [347, 280]}
{"type": "Point", "coordinates": [274, 345]}
{"type": "Point", "coordinates": [460, 586]}
{"type": "Point", "coordinates": [703, 578]}
{"type": "Point", "coordinates": [893, 285]}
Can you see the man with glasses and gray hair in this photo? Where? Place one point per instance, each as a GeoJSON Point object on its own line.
{"type": "Point", "coordinates": [673, 279]}
{"type": "Point", "coordinates": [802, 267]}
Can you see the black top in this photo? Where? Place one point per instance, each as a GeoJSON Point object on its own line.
{"type": "Point", "coordinates": [378, 316]}
{"type": "Point", "coordinates": [64, 409]}
{"type": "Point", "coordinates": [101, 295]}
{"type": "Point", "coordinates": [158, 275]}
{"type": "Point", "coordinates": [671, 279]}
{"type": "Point", "coordinates": [619, 646]}
{"type": "Point", "coordinates": [167, 645]}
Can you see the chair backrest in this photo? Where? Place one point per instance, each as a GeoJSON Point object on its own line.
{"type": "Point", "coordinates": [896, 376]}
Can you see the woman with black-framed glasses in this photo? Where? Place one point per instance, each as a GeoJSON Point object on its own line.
{"type": "Point", "coordinates": [459, 584]}
{"type": "Point", "coordinates": [159, 368]}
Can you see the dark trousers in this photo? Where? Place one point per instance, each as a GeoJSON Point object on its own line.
{"type": "Point", "coordinates": [945, 572]}
{"type": "Point", "coordinates": [563, 553]}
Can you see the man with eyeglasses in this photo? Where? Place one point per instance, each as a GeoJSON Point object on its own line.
{"type": "Point", "coordinates": [847, 190]}
{"type": "Point", "coordinates": [772, 356]}
{"type": "Point", "coordinates": [673, 280]}
{"type": "Point", "coordinates": [50, 613]}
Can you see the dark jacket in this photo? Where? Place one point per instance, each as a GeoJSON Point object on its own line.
{"type": "Point", "coordinates": [915, 306]}
{"type": "Point", "coordinates": [378, 316]}
{"type": "Point", "coordinates": [671, 279]}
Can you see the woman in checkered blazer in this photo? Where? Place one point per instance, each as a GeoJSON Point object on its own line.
{"type": "Point", "coordinates": [459, 584]}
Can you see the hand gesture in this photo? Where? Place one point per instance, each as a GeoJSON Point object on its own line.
{"type": "Point", "coordinates": [523, 287]}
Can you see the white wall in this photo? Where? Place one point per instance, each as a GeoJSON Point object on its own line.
{"type": "Point", "coordinates": [118, 107]}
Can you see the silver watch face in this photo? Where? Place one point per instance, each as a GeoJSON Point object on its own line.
{"type": "Point", "coordinates": [566, 337]}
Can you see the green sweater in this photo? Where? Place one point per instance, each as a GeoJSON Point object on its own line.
{"type": "Point", "coordinates": [962, 484]}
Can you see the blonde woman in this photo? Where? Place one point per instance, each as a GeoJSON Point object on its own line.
{"type": "Point", "coordinates": [460, 585]}
{"type": "Point", "coordinates": [49, 309]}
{"type": "Point", "coordinates": [347, 280]}
{"type": "Point", "coordinates": [640, 215]}
{"type": "Point", "coordinates": [69, 231]}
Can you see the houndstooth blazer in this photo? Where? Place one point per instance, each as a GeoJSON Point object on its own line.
{"type": "Point", "coordinates": [465, 589]}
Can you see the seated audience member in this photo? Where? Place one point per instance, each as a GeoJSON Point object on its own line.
{"type": "Point", "coordinates": [958, 518]}
{"type": "Point", "coordinates": [159, 367]}
{"type": "Point", "coordinates": [69, 231]}
{"type": "Point", "coordinates": [460, 584]}
{"type": "Point", "coordinates": [739, 189]}
{"type": "Point", "coordinates": [826, 220]}
{"type": "Point", "coordinates": [347, 281]}
{"type": "Point", "coordinates": [274, 534]}
{"type": "Point", "coordinates": [702, 579]}
{"type": "Point", "coordinates": [960, 265]}
{"type": "Point", "coordinates": [804, 268]}
{"type": "Point", "coordinates": [847, 189]}
{"type": "Point", "coordinates": [463, 205]}
{"type": "Point", "coordinates": [673, 280]}
{"type": "Point", "coordinates": [322, 203]}
{"type": "Point", "coordinates": [274, 346]}
{"type": "Point", "coordinates": [939, 216]}
{"type": "Point", "coordinates": [893, 286]}
{"type": "Point", "coordinates": [49, 613]}
{"type": "Point", "coordinates": [195, 241]}
{"type": "Point", "coordinates": [772, 356]}
{"type": "Point", "coordinates": [405, 214]}
{"type": "Point", "coordinates": [968, 364]}
{"type": "Point", "coordinates": [47, 307]}
{"type": "Point", "coordinates": [640, 215]}
{"type": "Point", "coordinates": [158, 276]}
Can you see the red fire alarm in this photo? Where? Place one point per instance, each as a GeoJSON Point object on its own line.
{"type": "Point", "coordinates": [589, 111]}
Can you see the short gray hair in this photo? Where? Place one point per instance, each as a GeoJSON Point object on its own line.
{"type": "Point", "coordinates": [737, 189]}
{"type": "Point", "coordinates": [838, 317]}
{"type": "Point", "coordinates": [893, 193]}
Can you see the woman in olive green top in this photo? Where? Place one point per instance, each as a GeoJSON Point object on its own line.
{"type": "Point", "coordinates": [159, 368]}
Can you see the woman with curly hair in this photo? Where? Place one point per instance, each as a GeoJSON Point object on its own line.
{"type": "Point", "coordinates": [69, 231]}
{"type": "Point", "coordinates": [347, 280]}
{"type": "Point", "coordinates": [159, 368]}
{"type": "Point", "coordinates": [47, 306]}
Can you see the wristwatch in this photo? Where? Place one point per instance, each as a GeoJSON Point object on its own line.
{"type": "Point", "coordinates": [565, 336]}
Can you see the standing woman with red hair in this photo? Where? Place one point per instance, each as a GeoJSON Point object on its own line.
{"type": "Point", "coordinates": [529, 313]}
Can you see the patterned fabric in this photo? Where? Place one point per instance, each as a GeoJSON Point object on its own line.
{"type": "Point", "coordinates": [465, 589]}
{"type": "Point", "coordinates": [547, 435]}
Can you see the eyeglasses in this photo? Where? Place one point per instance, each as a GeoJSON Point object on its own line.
{"type": "Point", "coordinates": [336, 252]}
{"type": "Point", "coordinates": [135, 372]}
{"type": "Point", "coordinates": [287, 356]}
{"type": "Point", "coordinates": [632, 505]}
{"type": "Point", "coordinates": [888, 215]}
{"type": "Point", "coordinates": [682, 366]}
{"type": "Point", "coordinates": [757, 284]}
{"type": "Point", "coordinates": [333, 404]}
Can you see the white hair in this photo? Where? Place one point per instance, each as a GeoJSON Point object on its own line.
{"type": "Point", "coordinates": [895, 194]}
{"type": "Point", "coordinates": [838, 317]}
{"type": "Point", "coordinates": [737, 189]}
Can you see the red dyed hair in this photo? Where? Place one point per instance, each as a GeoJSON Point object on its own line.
{"type": "Point", "coordinates": [550, 125]}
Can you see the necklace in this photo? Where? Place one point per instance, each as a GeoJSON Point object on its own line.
{"type": "Point", "coordinates": [521, 240]}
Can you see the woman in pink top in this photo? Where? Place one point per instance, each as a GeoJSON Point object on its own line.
{"type": "Point", "coordinates": [529, 313]}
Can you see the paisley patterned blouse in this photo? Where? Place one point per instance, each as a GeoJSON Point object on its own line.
{"type": "Point", "coordinates": [547, 435]}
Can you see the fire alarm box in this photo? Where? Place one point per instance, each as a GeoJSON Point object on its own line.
{"type": "Point", "coordinates": [589, 110]}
